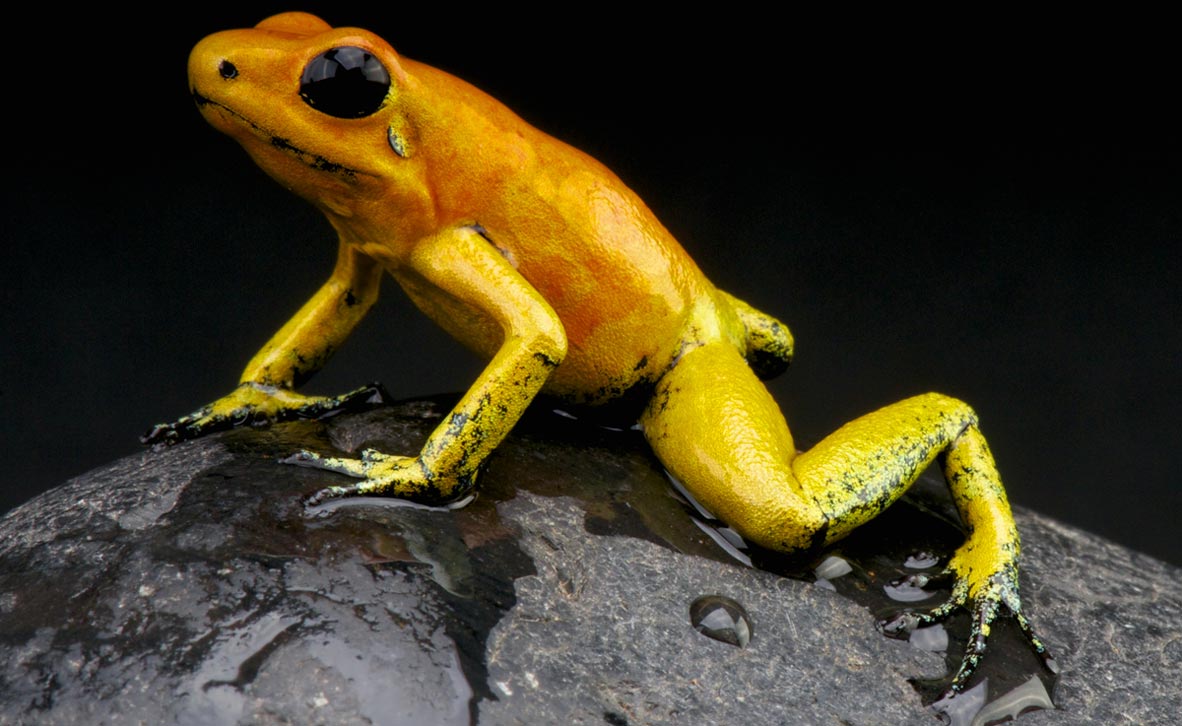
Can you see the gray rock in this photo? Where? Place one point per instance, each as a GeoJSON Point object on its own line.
{"type": "Point", "coordinates": [188, 585]}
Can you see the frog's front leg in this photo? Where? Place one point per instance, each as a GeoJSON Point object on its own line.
{"type": "Point", "coordinates": [301, 347]}
{"type": "Point", "coordinates": [769, 342]}
{"type": "Point", "coordinates": [716, 428]}
{"type": "Point", "coordinates": [462, 265]}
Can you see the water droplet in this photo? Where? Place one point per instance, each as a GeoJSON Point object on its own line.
{"type": "Point", "coordinates": [933, 639]}
{"type": "Point", "coordinates": [973, 707]}
{"type": "Point", "coordinates": [907, 589]}
{"type": "Point", "coordinates": [733, 538]}
{"type": "Point", "coordinates": [833, 567]}
{"type": "Point", "coordinates": [1031, 695]}
{"type": "Point", "coordinates": [960, 708]}
{"type": "Point", "coordinates": [722, 541]}
{"type": "Point", "coordinates": [721, 618]}
{"type": "Point", "coordinates": [921, 560]}
{"type": "Point", "coordinates": [825, 585]}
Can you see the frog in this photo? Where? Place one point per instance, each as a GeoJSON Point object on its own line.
{"type": "Point", "coordinates": [540, 259]}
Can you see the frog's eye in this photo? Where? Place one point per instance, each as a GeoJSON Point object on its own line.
{"type": "Point", "coordinates": [346, 82]}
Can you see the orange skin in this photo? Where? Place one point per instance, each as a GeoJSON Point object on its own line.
{"type": "Point", "coordinates": [541, 260]}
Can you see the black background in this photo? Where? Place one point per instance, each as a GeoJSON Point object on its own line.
{"type": "Point", "coordinates": [988, 214]}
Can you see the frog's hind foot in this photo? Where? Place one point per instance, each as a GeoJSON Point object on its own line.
{"type": "Point", "coordinates": [999, 596]}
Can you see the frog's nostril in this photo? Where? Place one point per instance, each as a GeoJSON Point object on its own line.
{"type": "Point", "coordinates": [227, 69]}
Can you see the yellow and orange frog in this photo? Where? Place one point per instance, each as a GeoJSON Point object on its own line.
{"type": "Point", "coordinates": [541, 260]}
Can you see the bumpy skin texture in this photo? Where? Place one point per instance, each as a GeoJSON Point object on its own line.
{"type": "Point", "coordinates": [540, 259]}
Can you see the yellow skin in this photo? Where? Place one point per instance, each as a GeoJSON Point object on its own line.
{"type": "Point", "coordinates": [540, 259]}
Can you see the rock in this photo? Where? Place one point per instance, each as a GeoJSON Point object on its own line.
{"type": "Point", "coordinates": [188, 585]}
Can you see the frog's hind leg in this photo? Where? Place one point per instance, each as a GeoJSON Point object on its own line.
{"type": "Point", "coordinates": [718, 430]}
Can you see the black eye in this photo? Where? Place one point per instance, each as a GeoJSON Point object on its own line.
{"type": "Point", "coordinates": [345, 82]}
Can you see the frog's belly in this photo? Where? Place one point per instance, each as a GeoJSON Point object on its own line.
{"type": "Point", "coordinates": [607, 355]}
{"type": "Point", "coordinates": [607, 360]}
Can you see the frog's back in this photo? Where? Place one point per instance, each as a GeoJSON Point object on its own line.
{"type": "Point", "coordinates": [622, 286]}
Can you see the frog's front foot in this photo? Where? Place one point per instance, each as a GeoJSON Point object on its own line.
{"type": "Point", "coordinates": [985, 601]}
{"type": "Point", "coordinates": [257, 404]}
{"type": "Point", "coordinates": [381, 475]}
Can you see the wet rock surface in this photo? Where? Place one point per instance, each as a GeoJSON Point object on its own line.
{"type": "Point", "coordinates": [188, 585]}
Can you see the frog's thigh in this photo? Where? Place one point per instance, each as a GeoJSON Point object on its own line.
{"type": "Point", "coordinates": [716, 429]}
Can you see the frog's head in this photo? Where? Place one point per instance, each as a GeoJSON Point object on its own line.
{"type": "Point", "coordinates": [316, 106]}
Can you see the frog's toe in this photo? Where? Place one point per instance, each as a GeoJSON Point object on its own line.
{"type": "Point", "coordinates": [360, 399]}
{"type": "Point", "coordinates": [165, 434]}
{"type": "Point", "coordinates": [184, 428]}
{"type": "Point", "coordinates": [984, 612]}
{"type": "Point", "coordinates": [334, 492]}
{"type": "Point", "coordinates": [902, 624]}
{"type": "Point", "coordinates": [1036, 643]}
{"type": "Point", "coordinates": [373, 456]}
{"type": "Point", "coordinates": [310, 459]}
{"type": "Point", "coordinates": [369, 486]}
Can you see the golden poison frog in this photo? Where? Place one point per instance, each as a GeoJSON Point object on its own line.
{"type": "Point", "coordinates": [541, 260]}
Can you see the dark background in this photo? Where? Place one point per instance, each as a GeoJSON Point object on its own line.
{"type": "Point", "coordinates": [992, 216]}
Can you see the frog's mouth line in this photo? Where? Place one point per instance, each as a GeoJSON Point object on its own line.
{"type": "Point", "coordinates": [315, 161]}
